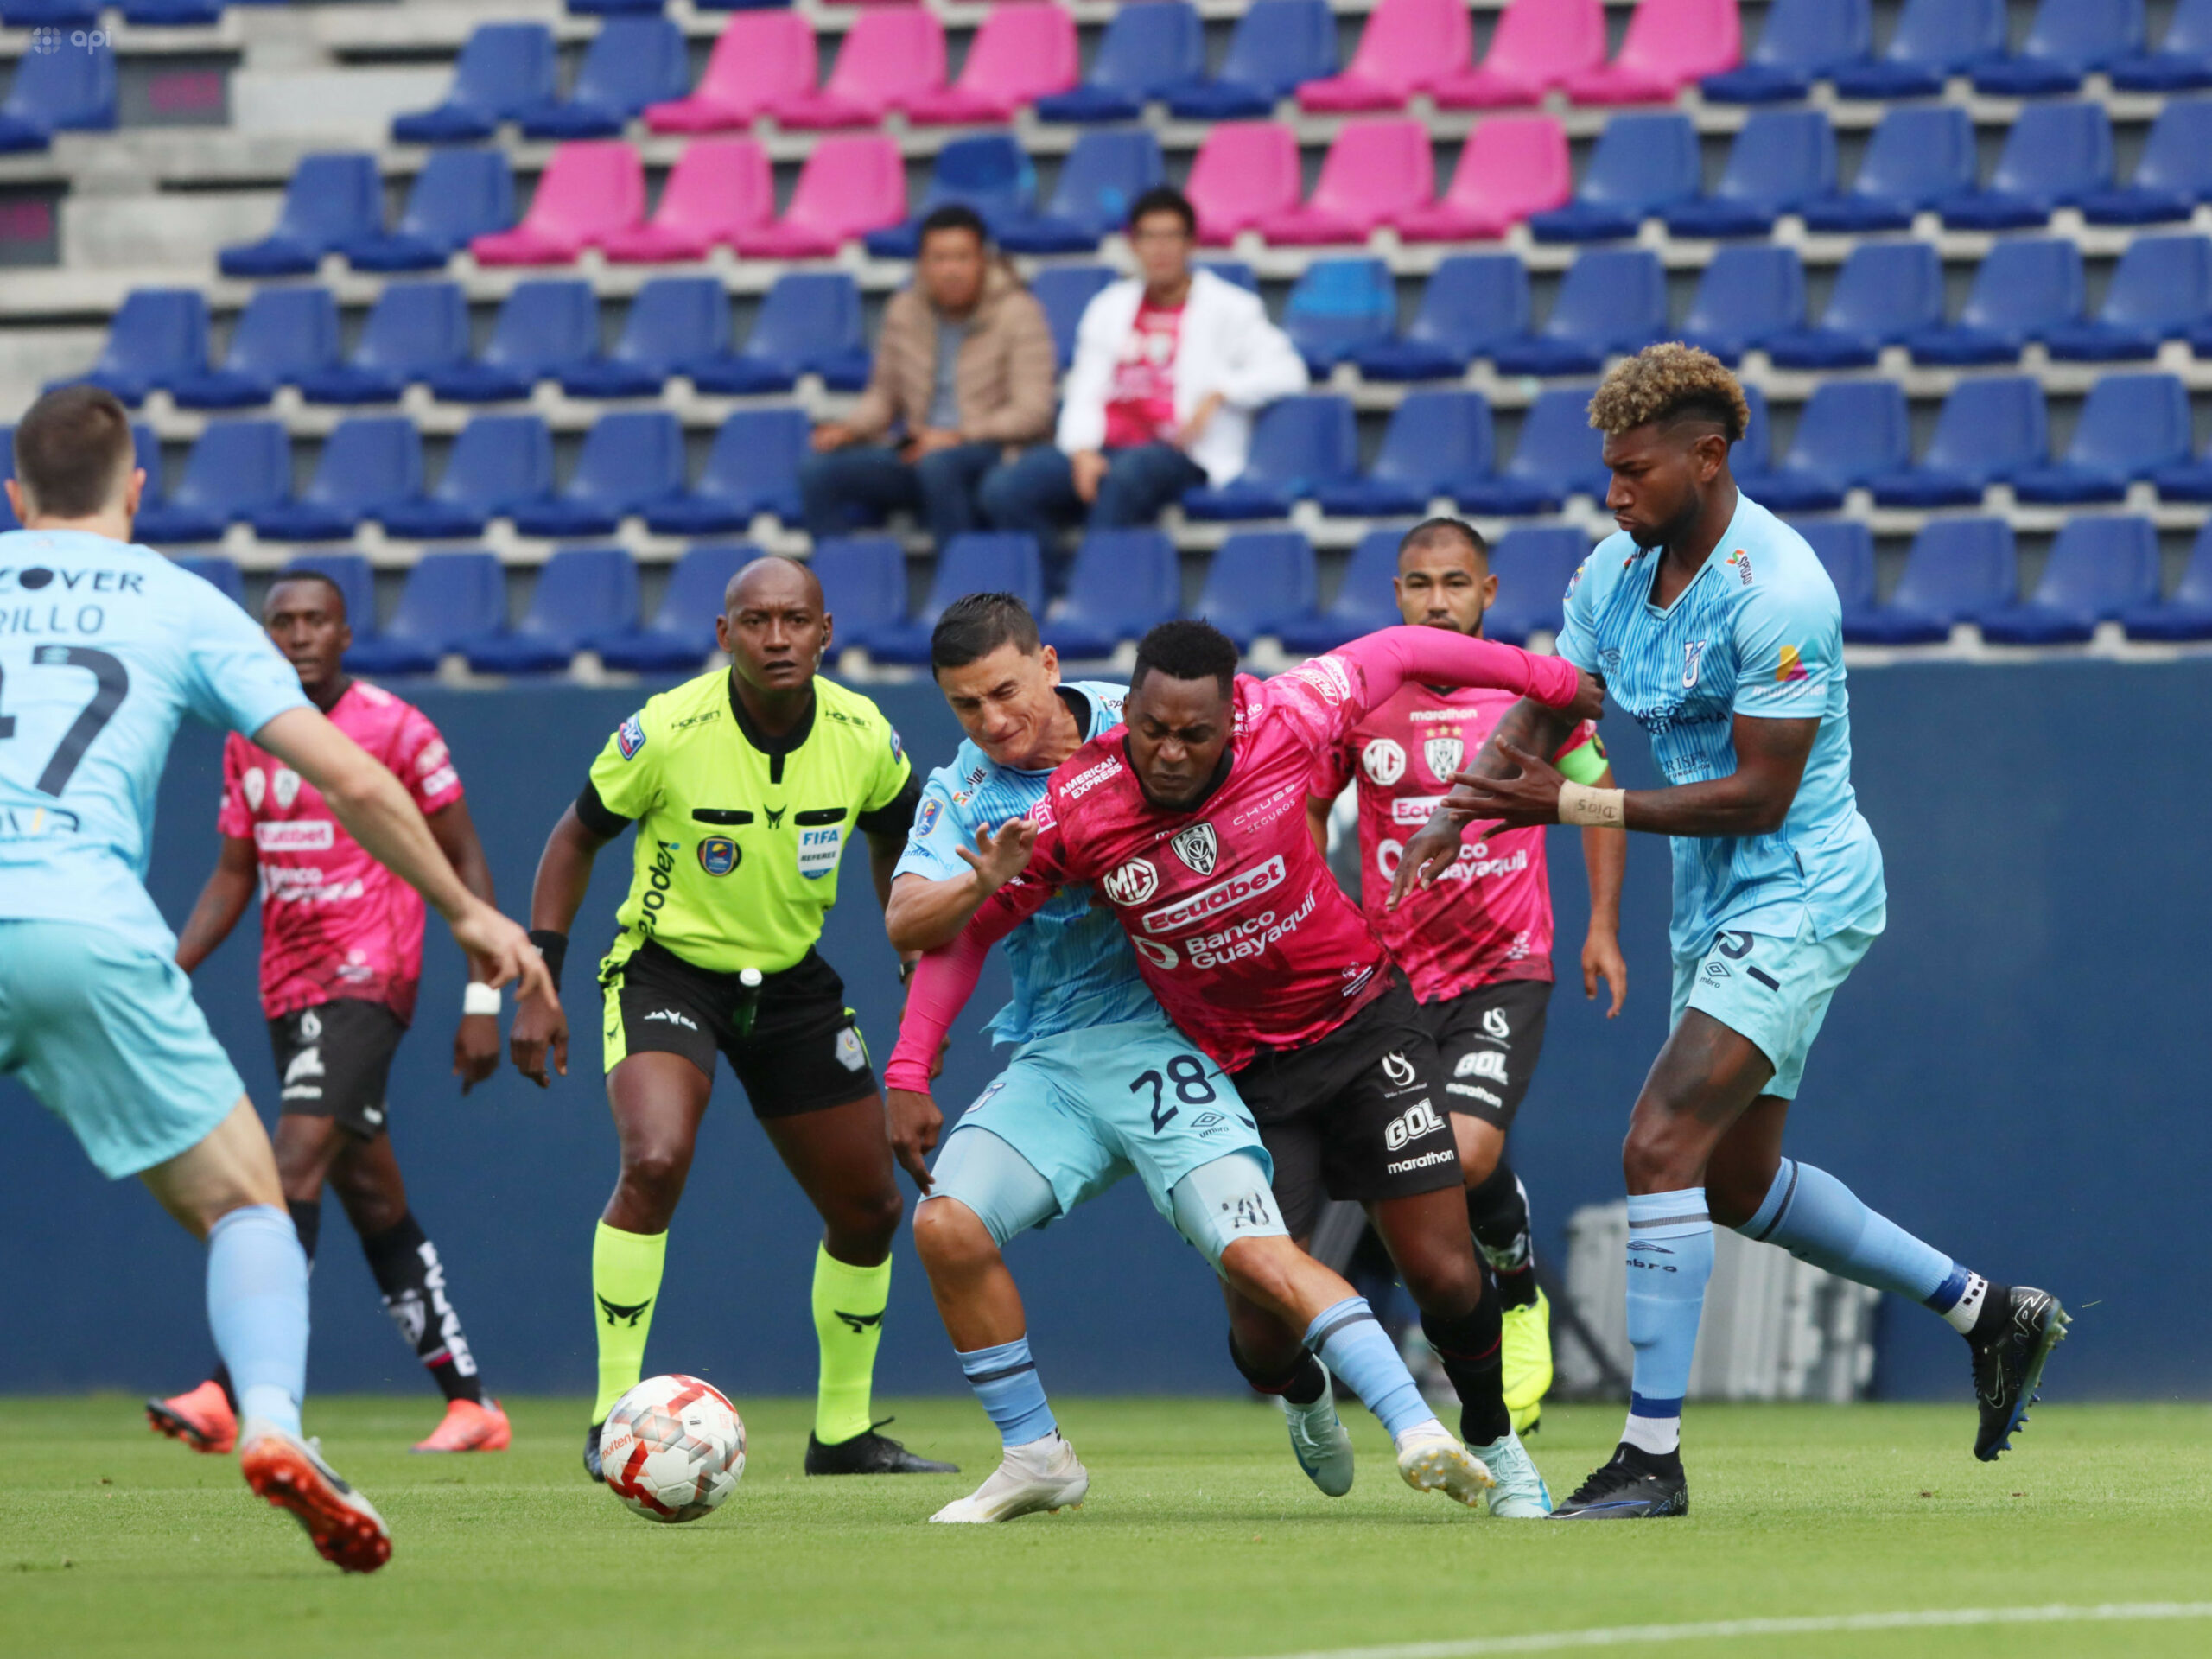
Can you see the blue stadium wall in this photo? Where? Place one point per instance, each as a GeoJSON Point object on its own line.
{"type": "Point", "coordinates": [2017, 1071]}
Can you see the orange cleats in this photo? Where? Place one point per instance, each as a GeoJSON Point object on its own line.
{"type": "Point", "coordinates": [344, 1526]}
{"type": "Point", "coordinates": [469, 1427]}
{"type": "Point", "coordinates": [202, 1419]}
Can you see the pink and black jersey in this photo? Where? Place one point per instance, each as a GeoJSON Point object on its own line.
{"type": "Point", "coordinates": [334, 922]}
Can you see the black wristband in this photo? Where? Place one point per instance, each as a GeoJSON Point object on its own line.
{"type": "Point", "coordinates": [554, 947]}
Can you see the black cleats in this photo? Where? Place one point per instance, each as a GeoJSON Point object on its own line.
{"type": "Point", "coordinates": [870, 1454]}
{"type": "Point", "coordinates": [591, 1452]}
{"type": "Point", "coordinates": [1635, 1486]}
{"type": "Point", "coordinates": [2017, 1329]}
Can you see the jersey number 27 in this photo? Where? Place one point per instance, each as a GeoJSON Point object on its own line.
{"type": "Point", "coordinates": [111, 683]}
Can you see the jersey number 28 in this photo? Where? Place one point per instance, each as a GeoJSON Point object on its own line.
{"type": "Point", "coordinates": [1193, 1088]}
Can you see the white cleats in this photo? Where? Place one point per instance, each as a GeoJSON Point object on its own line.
{"type": "Point", "coordinates": [1437, 1463]}
{"type": "Point", "coordinates": [1319, 1443]}
{"type": "Point", "coordinates": [1520, 1493]}
{"type": "Point", "coordinates": [1043, 1475]}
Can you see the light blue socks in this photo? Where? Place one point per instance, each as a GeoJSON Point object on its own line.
{"type": "Point", "coordinates": [258, 1308]}
{"type": "Point", "coordinates": [1670, 1263]}
{"type": "Point", "coordinates": [1008, 1387]}
{"type": "Point", "coordinates": [1356, 1348]}
{"type": "Point", "coordinates": [1818, 1219]}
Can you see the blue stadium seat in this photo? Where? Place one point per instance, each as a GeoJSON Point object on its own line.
{"type": "Point", "coordinates": [504, 70]}
{"type": "Point", "coordinates": [58, 92]}
{"type": "Point", "coordinates": [1988, 430]}
{"type": "Point", "coordinates": [1106, 171]}
{"type": "Point", "coordinates": [1064, 291]}
{"type": "Point", "coordinates": [1641, 166]}
{"type": "Point", "coordinates": [1959, 570]}
{"type": "Point", "coordinates": [1365, 602]}
{"type": "Point", "coordinates": [237, 468]}
{"type": "Point", "coordinates": [2172, 177]}
{"type": "Point", "coordinates": [544, 328]}
{"type": "Point", "coordinates": [2055, 154]}
{"type": "Point", "coordinates": [1337, 308]}
{"type": "Point", "coordinates": [2023, 289]}
{"type": "Point", "coordinates": [355, 581]}
{"type": "Point", "coordinates": [994, 562]}
{"type": "Point", "coordinates": [1804, 40]}
{"type": "Point", "coordinates": [809, 323]}
{"type": "Point", "coordinates": [864, 586]}
{"type": "Point", "coordinates": [157, 337]}
{"type": "Point", "coordinates": [1146, 52]}
{"type": "Point", "coordinates": [2132, 426]}
{"type": "Point", "coordinates": [8, 519]}
{"type": "Point", "coordinates": [988, 172]}
{"type": "Point", "coordinates": [675, 322]}
{"type": "Point", "coordinates": [630, 461]}
{"type": "Point", "coordinates": [614, 7]}
{"type": "Point", "coordinates": [1558, 453]}
{"type": "Point", "coordinates": [500, 464]}
{"type": "Point", "coordinates": [2100, 568]}
{"type": "Point", "coordinates": [283, 335]}
{"type": "Point", "coordinates": [2066, 40]}
{"type": "Point", "coordinates": [49, 14]}
{"type": "Point", "coordinates": [1278, 43]}
{"type": "Point", "coordinates": [1848, 433]}
{"type": "Point", "coordinates": [448, 601]}
{"type": "Point", "coordinates": [1299, 444]}
{"type": "Point", "coordinates": [630, 62]}
{"type": "Point", "coordinates": [1781, 163]}
{"type": "Point", "coordinates": [2182, 61]}
{"type": "Point", "coordinates": [752, 468]}
{"type": "Point", "coordinates": [1750, 455]}
{"type": "Point", "coordinates": [368, 464]}
{"type": "Point", "coordinates": [1933, 40]}
{"type": "Point", "coordinates": [2161, 290]}
{"type": "Point", "coordinates": [1122, 583]}
{"type": "Point", "coordinates": [459, 195]}
{"type": "Point", "coordinates": [172, 13]}
{"type": "Point", "coordinates": [413, 331]}
{"type": "Point", "coordinates": [1471, 303]}
{"type": "Point", "coordinates": [1232, 270]}
{"type": "Point", "coordinates": [1845, 547]}
{"type": "Point", "coordinates": [1918, 156]}
{"type": "Point", "coordinates": [581, 592]}
{"type": "Point", "coordinates": [1887, 292]}
{"type": "Point", "coordinates": [219, 572]}
{"type": "Point", "coordinates": [1437, 443]}
{"type": "Point", "coordinates": [2187, 613]}
{"type": "Point", "coordinates": [334, 197]}
{"type": "Point", "coordinates": [1533, 564]}
{"type": "Point", "coordinates": [1260, 581]}
{"type": "Point", "coordinates": [1612, 300]}
{"type": "Point", "coordinates": [144, 441]}
{"type": "Point", "coordinates": [1746, 295]}
{"type": "Point", "coordinates": [681, 635]}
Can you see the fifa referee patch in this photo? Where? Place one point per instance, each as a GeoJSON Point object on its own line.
{"type": "Point", "coordinates": [630, 737]}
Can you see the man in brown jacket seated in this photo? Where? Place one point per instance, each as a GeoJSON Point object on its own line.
{"type": "Point", "coordinates": [964, 366]}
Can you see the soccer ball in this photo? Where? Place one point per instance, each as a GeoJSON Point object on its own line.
{"type": "Point", "coordinates": [673, 1448]}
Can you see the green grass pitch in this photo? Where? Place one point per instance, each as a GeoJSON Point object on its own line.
{"type": "Point", "coordinates": [1200, 1541]}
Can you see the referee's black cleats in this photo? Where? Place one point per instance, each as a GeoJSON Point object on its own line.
{"type": "Point", "coordinates": [1636, 1485]}
{"type": "Point", "coordinates": [591, 1452]}
{"type": "Point", "coordinates": [2019, 1327]}
{"type": "Point", "coordinates": [870, 1453]}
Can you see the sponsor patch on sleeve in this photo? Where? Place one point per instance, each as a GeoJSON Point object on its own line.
{"type": "Point", "coordinates": [898, 749]}
{"type": "Point", "coordinates": [630, 737]}
{"type": "Point", "coordinates": [931, 809]}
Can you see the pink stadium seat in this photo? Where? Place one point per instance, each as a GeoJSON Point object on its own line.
{"type": "Point", "coordinates": [718, 189]}
{"type": "Point", "coordinates": [1022, 54]}
{"type": "Point", "coordinates": [1245, 172]}
{"type": "Point", "coordinates": [1670, 44]}
{"type": "Point", "coordinates": [1513, 166]}
{"type": "Point", "coordinates": [850, 186]}
{"type": "Point", "coordinates": [1538, 45]}
{"type": "Point", "coordinates": [1375, 172]}
{"type": "Point", "coordinates": [889, 59]}
{"type": "Point", "coordinates": [1407, 47]}
{"type": "Point", "coordinates": [589, 190]}
{"type": "Point", "coordinates": [762, 56]}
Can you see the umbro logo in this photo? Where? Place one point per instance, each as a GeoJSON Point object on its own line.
{"type": "Point", "coordinates": [630, 1314]}
{"type": "Point", "coordinates": [859, 1322]}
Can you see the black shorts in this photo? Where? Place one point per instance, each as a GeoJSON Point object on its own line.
{"type": "Point", "coordinates": [1356, 1116]}
{"type": "Point", "coordinates": [794, 1045]}
{"type": "Point", "coordinates": [334, 1061]}
{"type": "Point", "coordinates": [1487, 1044]}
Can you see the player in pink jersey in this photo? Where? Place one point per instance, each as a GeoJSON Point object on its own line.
{"type": "Point", "coordinates": [341, 958]}
{"type": "Point", "coordinates": [1477, 945]}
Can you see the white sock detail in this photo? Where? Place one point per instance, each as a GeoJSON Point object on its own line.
{"type": "Point", "coordinates": [1657, 1435]}
{"type": "Point", "coordinates": [1963, 1313]}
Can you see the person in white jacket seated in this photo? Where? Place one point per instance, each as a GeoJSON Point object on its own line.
{"type": "Point", "coordinates": [1170, 368]}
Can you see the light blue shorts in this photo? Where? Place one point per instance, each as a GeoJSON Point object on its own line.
{"type": "Point", "coordinates": [107, 1036]}
{"type": "Point", "coordinates": [1774, 990]}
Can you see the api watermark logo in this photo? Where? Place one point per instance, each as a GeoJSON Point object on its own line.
{"type": "Point", "coordinates": [49, 41]}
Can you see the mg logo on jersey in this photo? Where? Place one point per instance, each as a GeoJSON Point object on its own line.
{"type": "Point", "coordinates": [1133, 883]}
{"type": "Point", "coordinates": [1417, 1120]}
{"type": "Point", "coordinates": [1494, 1025]}
{"type": "Point", "coordinates": [1443, 755]}
{"type": "Point", "coordinates": [1693, 654]}
{"type": "Point", "coordinates": [1400, 1070]}
{"type": "Point", "coordinates": [1196, 847]}
{"type": "Point", "coordinates": [1385, 762]}
{"type": "Point", "coordinates": [285, 786]}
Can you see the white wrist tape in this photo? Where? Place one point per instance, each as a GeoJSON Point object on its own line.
{"type": "Point", "coordinates": [481, 999]}
{"type": "Point", "coordinates": [1592, 809]}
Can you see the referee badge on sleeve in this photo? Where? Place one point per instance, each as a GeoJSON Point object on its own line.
{"type": "Point", "coordinates": [852, 1053]}
{"type": "Point", "coordinates": [630, 737]}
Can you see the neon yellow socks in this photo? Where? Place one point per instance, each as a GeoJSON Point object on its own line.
{"type": "Point", "coordinates": [848, 1303]}
{"type": "Point", "coordinates": [626, 1282]}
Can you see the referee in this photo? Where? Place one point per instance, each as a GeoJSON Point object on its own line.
{"type": "Point", "coordinates": [744, 788]}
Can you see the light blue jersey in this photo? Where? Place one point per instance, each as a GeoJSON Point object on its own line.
{"type": "Point", "coordinates": [1757, 632]}
{"type": "Point", "coordinates": [1071, 963]}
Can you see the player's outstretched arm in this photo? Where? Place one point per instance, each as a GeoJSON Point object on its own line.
{"type": "Point", "coordinates": [541, 1029]}
{"type": "Point", "coordinates": [222, 901]}
{"type": "Point", "coordinates": [923, 914]}
{"type": "Point", "coordinates": [476, 1041]}
{"type": "Point", "coordinates": [1527, 725]}
{"type": "Point", "coordinates": [1396, 656]}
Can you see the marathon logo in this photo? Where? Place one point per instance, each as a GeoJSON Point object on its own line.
{"type": "Point", "coordinates": [309, 836]}
{"type": "Point", "coordinates": [1084, 782]}
{"type": "Point", "coordinates": [1222, 896]}
{"type": "Point", "coordinates": [1426, 1160]}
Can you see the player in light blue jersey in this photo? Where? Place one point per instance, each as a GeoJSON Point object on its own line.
{"type": "Point", "coordinates": [104, 646]}
{"type": "Point", "coordinates": [1715, 626]}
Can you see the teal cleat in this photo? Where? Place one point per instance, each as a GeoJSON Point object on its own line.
{"type": "Point", "coordinates": [1520, 1494]}
{"type": "Point", "coordinates": [1318, 1441]}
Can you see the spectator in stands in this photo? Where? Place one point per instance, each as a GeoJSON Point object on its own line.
{"type": "Point", "coordinates": [1170, 368]}
{"type": "Point", "coordinates": [964, 366]}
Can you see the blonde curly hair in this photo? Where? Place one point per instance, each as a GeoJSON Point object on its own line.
{"type": "Point", "coordinates": [1670, 382]}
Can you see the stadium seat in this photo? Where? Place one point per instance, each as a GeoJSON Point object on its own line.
{"type": "Point", "coordinates": [888, 59]}
{"type": "Point", "coordinates": [157, 337]}
{"type": "Point", "coordinates": [1260, 581]}
{"type": "Point", "coordinates": [752, 468]}
{"type": "Point", "coordinates": [992, 561]}
{"type": "Point", "coordinates": [631, 63]}
{"type": "Point", "coordinates": [581, 592]}
{"type": "Point", "coordinates": [2172, 177]}
{"type": "Point", "coordinates": [334, 197]}
{"type": "Point", "coordinates": [629, 463]}
{"type": "Point", "coordinates": [2101, 567]}
{"type": "Point", "coordinates": [355, 581]}
{"type": "Point", "coordinates": [2187, 613]}
{"type": "Point", "coordinates": [283, 334]}
{"type": "Point", "coordinates": [1751, 454]}
{"type": "Point", "coordinates": [500, 464]}
{"type": "Point", "coordinates": [2066, 40]}
{"type": "Point", "coordinates": [413, 331]}
{"type": "Point", "coordinates": [1019, 53]}
{"type": "Point", "coordinates": [1244, 173]}
{"type": "Point", "coordinates": [1436, 442]}
{"type": "Point", "coordinates": [49, 14]}
{"type": "Point", "coordinates": [459, 195]}
{"type": "Point", "coordinates": [1146, 52]}
{"type": "Point", "coordinates": [1107, 170]}
{"type": "Point", "coordinates": [2025, 288]}
{"type": "Point", "coordinates": [1558, 453]}
{"type": "Point", "coordinates": [1533, 564]}
{"type": "Point", "coordinates": [1338, 307]}
{"type": "Point", "coordinates": [2161, 290]}
{"type": "Point", "coordinates": [1804, 40]}
{"type": "Point", "coordinates": [1123, 582]}
{"type": "Point", "coordinates": [1063, 291]}
{"type": "Point", "coordinates": [1988, 430]}
{"type": "Point", "coordinates": [1885, 293]}
{"type": "Point", "coordinates": [2132, 426]}
{"type": "Point", "coordinates": [1298, 445]}
{"type": "Point", "coordinates": [1364, 602]}
{"type": "Point", "coordinates": [1641, 166]}
{"type": "Point", "coordinates": [1612, 300]}
{"type": "Point", "coordinates": [1933, 40]}
{"type": "Point", "coordinates": [1406, 47]}
{"type": "Point", "coordinates": [543, 328]}
{"type": "Point", "coordinates": [1277, 45]}
{"type": "Point", "coordinates": [1511, 167]}
{"type": "Point", "coordinates": [1845, 547]}
{"type": "Point", "coordinates": [1745, 296]}
{"type": "Point", "coordinates": [760, 58]}
{"type": "Point", "coordinates": [719, 189]}
{"type": "Point", "coordinates": [2054, 153]}
{"type": "Point", "coordinates": [863, 588]}
{"type": "Point", "coordinates": [675, 322]}
{"type": "Point", "coordinates": [850, 186]}
{"type": "Point", "coordinates": [809, 323]}
{"type": "Point", "coordinates": [1375, 172]}
{"type": "Point", "coordinates": [1471, 304]}
{"type": "Point", "coordinates": [236, 469]}
{"type": "Point", "coordinates": [1917, 158]}
{"type": "Point", "coordinates": [368, 463]}
{"type": "Point", "coordinates": [1538, 45]}
{"type": "Point", "coordinates": [1848, 433]}
{"type": "Point", "coordinates": [504, 70]}
{"type": "Point", "coordinates": [1231, 270]}
{"type": "Point", "coordinates": [681, 635]}
{"type": "Point", "coordinates": [2182, 61]}
{"type": "Point", "coordinates": [990, 173]}
{"type": "Point", "coordinates": [448, 600]}
{"type": "Point", "coordinates": [1781, 161]}
{"type": "Point", "coordinates": [1959, 569]}
{"type": "Point", "coordinates": [58, 92]}
{"type": "Point", "coordinates": [589, 191]}
{"type": "Point", "coordinates": [219, 573]}
{"type": "Point", "coordinates": [171, 14]}
{"type": "Point", "coordinates": [1670, 45]}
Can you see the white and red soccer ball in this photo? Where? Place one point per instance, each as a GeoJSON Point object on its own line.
{"type": "Point", "coordinates": [673, 1448]}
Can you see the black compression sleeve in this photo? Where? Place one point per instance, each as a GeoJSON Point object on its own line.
{"type": "Point", "coordinates": [896, 816]}
{"type": "Point", "coordinates": [595, 815]}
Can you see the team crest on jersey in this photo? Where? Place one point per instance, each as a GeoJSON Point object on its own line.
{"type": "Point", "coordinates": [1443, 755]}
{"type": "Point", "coordinates": [1133, 883]}
{"type": "Point", "coordinates": [930, 809]}
{"type": "Point", "coordinates": [285, 786]}
{"type": "Point", "coordinates": [256, 785]}
{"type": "Point", "coordinates": [718, 855]}
{"type": "Point", "coordinates": [1693, 654]}
{"type": "Point", "coordinates": [630, 737]}
{"type": "Point", "coordinates": [1385, 762]}
{"type": "Point", "coordinates": [1196, 847]}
